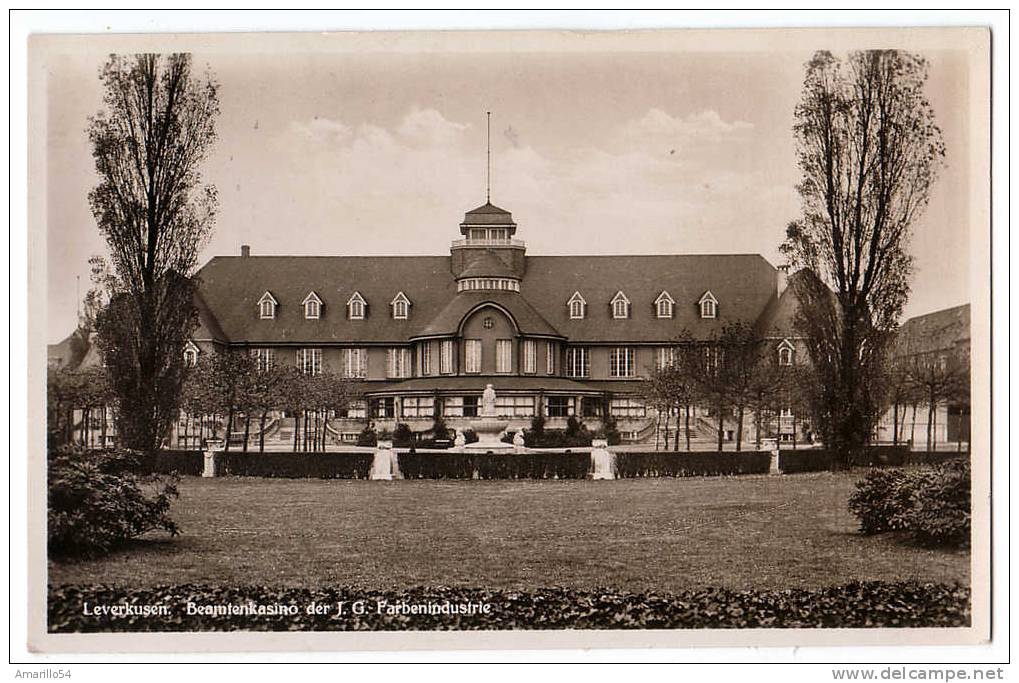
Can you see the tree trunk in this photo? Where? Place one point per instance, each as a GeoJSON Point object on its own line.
{"type": "Point", "coordinates": [687, 427]}
{"type": "Point", "coordinates": [739, 428]}
{"type": "Point", "coordinates": [757, 429]}
{"type": "Point", "coordinates": [895, 423]}
{"type": "Point", "coordinates": [247, 430]}
{"type": "Point", "coordinates": [930, 420]}
{"type": "Point", "coordinates": [297, 428]}
{"type": "Point", "coordinates": [794, 430]}
{"type": "Point", "coordinates": [229, 427]}
{"type": "Point", "coordinates": [102, 432]}
{"type": "Point", "coordinates": [261, 433]}
{"type": "Point", "coordinates": [721, 429]}
{"type": "Point", "coordinates": [912, 429]}
{"type": "Point", "coordinates": [658, 429]}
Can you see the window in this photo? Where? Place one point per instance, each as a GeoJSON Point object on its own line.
{"type": "Point", "coordinates": [425, 359]}
{"type": "Point", "coordinates": [355, 363]}
{"type": "Point", "coordinates": [559, 406]}
{"type": "Point", "coordinates": [383, 408]}
{"type": "Point", "coordinates": [514, 406]}
{"type": "Point", "coordinates": [401, 306]}
{"type": "Point", "coordinates": [267, 307]}
{"type": "Point", "coordinates": [472, 356]}
{"type": "Point", "coordinates": [504, 355]}
{"type": "Point", "coordinates": [529, 349]}
{"type": "Point", "coordinates": [470, 406]}
{"type": "Point", "coordinates": [353, 410]}
{"type": "Point", "coordinates": [620, 306]}
{"type": "Point", "coordinates": [475, 283]}
{"type": "Point", "coordinates": [446, 357]}
{"type": "Point", "coordinates": [312, 306]}
{"type": "Point", "coordinates": [418, 407]}
{"type": "Point", "coordinates": [190, 355]}
{"type": "Point", "coordinates": [590, 406]}
{"type": "Point", "coordinates": [310, 361]}
{"type": "Point", "coordinates": [664, 305]}
{"type": "Point", "coordinates": [665, 357]}
{"type": "Point", "coordinates": [627, 407]}
{"type": "Point", "coordinates": [356, 307]}
{"type": "Point", "coordinates": [578, 364]}
{"type": "Point", "coordinates": [621, 362]}
{"type": "Point", "coordinates": [785, 353]}
{"type": "Point", "coordinates": [709, 305]}
{"type": "Point", "coordinates": [577, 306]}
{"type": "Point", "coordinates": [550, 354]}
{"type": "Point", "coordinates": [398, 362]}
{"type": "Point", "coordinates": [265, 359]}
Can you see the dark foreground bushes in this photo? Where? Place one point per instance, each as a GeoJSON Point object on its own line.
{"type": "Point", "coordinates": [820, 460]}
{"type": "Point", "coordinates": [666, 464]}
{"type": "Point", "coordinates": [931, 504]}
{"type": "Point", "coordinates": [99, 500]}
{"type": "Point", "coordinates": [855, 605]}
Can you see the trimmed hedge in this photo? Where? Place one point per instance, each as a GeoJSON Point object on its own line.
{"type": "Point", "coordinates": [296, 465]}
{"type": "Point", "coordinates": [190, 463]}
{"type": "Point", "coordinates": [631, 464]}
{"type": "Point", "coordinates": [855, 605]}
{"type": "Point", "coordinates": [416, 465]}
{"type": "Point", "coordinates": [821, 460]}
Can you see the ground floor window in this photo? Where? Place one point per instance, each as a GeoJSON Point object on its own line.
{"type": "Point", "coordinates": [514, 406]}
{"type": "Point", "coordinates": [628, 407]}
{"type": "Point", "coordinates": [461, 406]}
{"type": "Point", "coordinates": [355, 410]}
{"type": "Point", "coordinates": [383, 408]}
{"type": "Point", "coordinates": [418, 407]}
{"type": "Point", "coordinates": [590, 406]}
{"type": "Point", "coordinates": [558, 406]}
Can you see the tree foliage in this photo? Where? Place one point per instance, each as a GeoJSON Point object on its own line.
{"type": "Point", "coordinates": [869, 152]}
{"type": "Point", "coordinates": [150, 205]}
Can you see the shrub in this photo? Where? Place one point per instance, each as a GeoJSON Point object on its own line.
{"type": "Point", "coordinates": [367, 437]}
{"type": "Point", "coordinates": [671, 464]}
{"type": "Point", "coordinates": [932, 504]}
{"type": "Point", "coordinates": [940, 511]}
{"type": "Point", "coordinates": [99, 500]}
{"type": "Point", "coordinates": [494, 465]}
{"type": "Point", "coordinates": [610, 432]}
{"type": "Point", "coordinates": [403, 435]}
{"type": "Point", "coordinates": [470, 436]}
{"type": "Point", "coordinates": [881, 500]}
{"type": "Point", "coordinates": [821, 460]}
{"type": "Point", "coordinates": [856, 605]}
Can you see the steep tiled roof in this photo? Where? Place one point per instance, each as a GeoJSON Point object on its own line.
{"type": "Point", "coordinates": [941, 330]}
{"type": "Point", "coordinates": [524, 314]}
{"type": "Point", "coordinates": [487, 264]}
{"type": "Point", "coordinates": [744, 286]}
{"type": "Point", "coordinates": [779, 318]}
{"type": "Point", "coordinates": [488, 214]}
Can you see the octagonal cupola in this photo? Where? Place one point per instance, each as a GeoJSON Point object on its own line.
{"type": "Point", "coordinates": [488, 233]}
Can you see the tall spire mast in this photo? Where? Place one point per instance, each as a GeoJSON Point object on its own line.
{"type": "Point", "coordinates": [488, 158]}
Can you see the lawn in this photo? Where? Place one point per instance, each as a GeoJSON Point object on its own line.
{"type": "Point", "coordinates": [764, 532]}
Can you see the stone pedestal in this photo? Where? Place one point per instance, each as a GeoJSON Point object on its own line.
{"type": "Point", "coordinates": [602, 460]}
{"type": "Point", "coordinates": [775, 454]}
{"type": "Point", "coordinates": [518, 441]}
{"type": "Point", "coordinates": [384, 462]}
{"type": "Point", "coordinates": [212, 447]}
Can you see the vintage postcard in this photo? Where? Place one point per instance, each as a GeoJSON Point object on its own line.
{"type": "Point", "coordinates": [531, 339]}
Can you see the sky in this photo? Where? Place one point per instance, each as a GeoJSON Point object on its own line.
{"type": "Point", "coordinates": [594, 153]}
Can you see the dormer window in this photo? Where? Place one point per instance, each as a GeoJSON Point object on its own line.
{"type": "Point", "coordinates": [709, 305]}
{"type": "Point", "coordinates": [401, 306]}
{"type": "Point", "coordinates": [190, 355]}
{"type": "Point", "coordinates": [664, 305]}
{"type": "Point", "coordinates": [620, 306]}
{"type": "Point", "coordinates": [356, 307]}
{"type": "Point", "coordinates": [267, 307]}
{"type": "Point", "coordinates": [786, 353]}
{"type": "Point", "coordinates": [312, 306]}
{"type": "Point", "coordinates": [577, 306]}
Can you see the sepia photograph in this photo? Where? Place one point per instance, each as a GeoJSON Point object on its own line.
{"type": "Point", "coordinates": [675, 336]}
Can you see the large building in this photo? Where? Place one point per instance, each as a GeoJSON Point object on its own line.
{"type": "Point", "coordinates": [566, 335]}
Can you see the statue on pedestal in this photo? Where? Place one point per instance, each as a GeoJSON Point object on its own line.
{"type": "Point", "coordinates": [488, 401]}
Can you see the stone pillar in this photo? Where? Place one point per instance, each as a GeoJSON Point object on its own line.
{"type": "Point", "coordinates": [383, 463]}
{"type": "Point", "coordinates": [775, 455]}
{"type": "Point", "coordinates": [602, 460]}
{"type": "Point", "coordinates": [212, 447]}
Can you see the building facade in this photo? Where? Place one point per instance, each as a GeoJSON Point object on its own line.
{"type": "Point", "coordinates": [561, 335]}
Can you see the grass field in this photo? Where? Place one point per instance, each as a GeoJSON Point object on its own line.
{"type": "Point", "coordinates": [662, 534]}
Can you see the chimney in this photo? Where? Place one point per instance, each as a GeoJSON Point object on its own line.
{"type": "Point", "coordinates": [245, 250]}
{"type": "Point", "coordinates": [783, 278]}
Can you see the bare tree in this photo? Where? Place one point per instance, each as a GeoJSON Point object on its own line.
{"type": "Point", "coordinates": [936, 377]}
{"type": "Point", "coordinates": [148, 143]}
{"type": "Point", "coordinates": [669, 391]}
{"type": "Point", "coordinates": [869, 152]}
